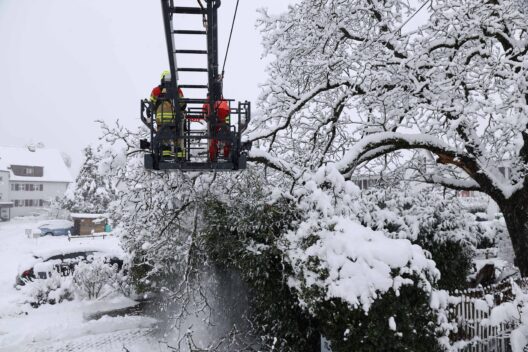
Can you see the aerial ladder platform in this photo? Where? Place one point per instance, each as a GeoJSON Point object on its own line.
{"type": "Point", "coordinates": [196, 137]}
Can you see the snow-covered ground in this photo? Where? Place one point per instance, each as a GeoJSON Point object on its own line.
{"type": "Point", "coordinates": [64, 326]}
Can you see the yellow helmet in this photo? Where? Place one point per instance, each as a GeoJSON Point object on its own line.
{"type": "Point", "coordinates": [165, 73]}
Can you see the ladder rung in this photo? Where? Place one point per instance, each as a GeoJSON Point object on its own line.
{"type": "Point", "coordinates": [192, 69]}
{"type": "Point", "coordinates": [190, 51]}
{"type": "Point", "coordinates": [183, 31]}
{"type": "Point", "coordinates": [187, 10]}
{"type": "Point", "coordinates": [193, 86]}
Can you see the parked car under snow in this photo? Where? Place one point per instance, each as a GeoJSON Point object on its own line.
{"type": "Point", "coordinates": [55, 228]}
{"type": "Point", "coordinates": [64, 263]}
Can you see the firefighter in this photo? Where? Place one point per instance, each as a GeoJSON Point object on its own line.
{"type": "Point", "coordinates": [165, 114]}
{"type": "Point", "coordinates": [222, 111]}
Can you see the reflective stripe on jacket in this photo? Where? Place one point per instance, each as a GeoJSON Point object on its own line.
{"type": "Point", "coordinates": [164, 113]}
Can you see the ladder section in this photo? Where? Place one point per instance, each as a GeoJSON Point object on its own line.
{"type": "Point", "coordinates": [179, 37]}
{"type": "Point", "coordinates": [176, 39]}
{"type": "Point", "coordinates": [205, 130]}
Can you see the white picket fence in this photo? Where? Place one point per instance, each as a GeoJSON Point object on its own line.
{"type": "Point", "coordinates": [484, 337]}
{"type": "Point", "coordinates": [470, 313]}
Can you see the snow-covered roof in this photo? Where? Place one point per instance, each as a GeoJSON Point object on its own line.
{"type": "Point", "coordinates": [88, 216]}
{"type": "Point", "coordinates": [55, 170]}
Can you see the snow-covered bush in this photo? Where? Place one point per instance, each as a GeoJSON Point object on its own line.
{"type": "Point", "coordinates": [121, 281]}
{"type": "Point", "coordinates": [322, 270]}
{"type": "Point", "coordinates": [395, 322]}
{"type": "Point", "coordinates": [54, 289]}
{"type": "Point", "coordinates": [438, 224]}
{"type": "Point", "coordinates": [245, 236]}
{"type": "Point", "coordinates": [90, 279]}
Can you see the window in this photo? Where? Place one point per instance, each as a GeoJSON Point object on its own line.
{"type": "Point", "coordinates": [24, 170]}
{"type": "Point", "coordinates": [1, 196]}
{"type": "Point", "coordinates": [41, 187]}
{"type": "Point", "coordinates": [28, 203]}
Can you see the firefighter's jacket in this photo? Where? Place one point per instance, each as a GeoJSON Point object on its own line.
{"type": "Point", "coordinates": [164, 109]}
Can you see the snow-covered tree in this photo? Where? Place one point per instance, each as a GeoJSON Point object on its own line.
{"type": "Point", "coordinates": [164, 217]}
{"type": "Point", "coordinates": [349, 85]}
{"type": "Point", "coordinates": [93, 190]}
{"type": "Point", "coordinates": [91, 278]}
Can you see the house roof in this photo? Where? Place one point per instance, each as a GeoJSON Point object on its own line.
{"type": "Point", "coordinates": [88, 216]}
{"type": "Point", "coordinates": [55, 170]}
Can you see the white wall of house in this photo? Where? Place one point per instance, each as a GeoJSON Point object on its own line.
{"type": "Point", "coordinates": [4, 186]}
{"type": "Point", "coordinates": [27, 201]}
{"type": "Point", "coordinates": [4, 194]}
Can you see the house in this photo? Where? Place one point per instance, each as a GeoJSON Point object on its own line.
{"type": "Point", "coordinates": [30, 178]}
{"type": "Point", "coordinates": [365, 182]}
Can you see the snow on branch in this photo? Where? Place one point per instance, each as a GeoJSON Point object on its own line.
{"type": "Point", "coordinates": [382, 143]}
{"type": "Point", "coordinates": [284, 121]}
{"type": "Point", "coordinates": [265, 158]}
{"type": "Point", "coordinates": [456, 184]}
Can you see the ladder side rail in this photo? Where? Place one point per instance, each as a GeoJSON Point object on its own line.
{"type": "Point", "coordinates": [212, 66]}
{"type": "Point", "coordinates": [172, 88]}
{"type": "Point", "coordinates": [148, 108]}
{"type": "Point", "coordinates": [166, 6]}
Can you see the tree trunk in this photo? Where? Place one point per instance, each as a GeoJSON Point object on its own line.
{"type": "Point", "coordinates": [515, 211]}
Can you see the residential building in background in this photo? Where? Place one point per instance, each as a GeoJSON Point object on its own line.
{"type": "Point", "coordinates": [30, 178]}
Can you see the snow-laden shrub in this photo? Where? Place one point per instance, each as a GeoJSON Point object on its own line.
{"type": "Point", "coordinates": [489, 233]}
{"type": "Point", "coordinates": [440, 225]}
{"type": "Point", "coordinates": [121, 281]}
{"type": "Point", "coordinates": [52, 290]}
{"type": "Point", "coordinates": [245, 236]}
{"type": "Point", "coordinates": [353, 279]}
{"type": "Point", "coordinates": [314, 269]}
{"type": "Point", "coordinates": [395, 322]}
{"type": "Point", "coordinates": [91, 278]}
{"type": "Point", "coordinates": [342, 259]}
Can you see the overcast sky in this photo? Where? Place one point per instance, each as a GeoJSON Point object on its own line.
{"type": "Point", "coordinates": [66, 63]}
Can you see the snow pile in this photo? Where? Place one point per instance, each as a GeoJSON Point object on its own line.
{"type": "Point", "coordinates": [331, 251]}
